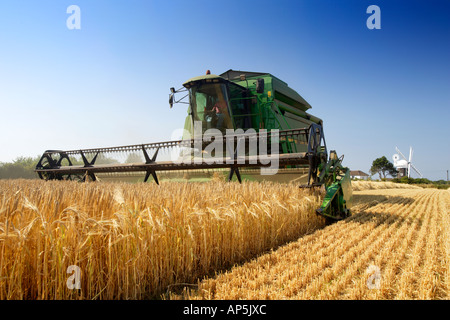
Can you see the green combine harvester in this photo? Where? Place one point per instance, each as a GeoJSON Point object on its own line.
{"type": "Point", "coordinates": [235, 121]}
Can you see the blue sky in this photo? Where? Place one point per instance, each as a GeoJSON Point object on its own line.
{"type": "Point", "coordinates": [108, 83]}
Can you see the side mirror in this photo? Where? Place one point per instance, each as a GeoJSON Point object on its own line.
{"type": "Point", "coordinates": [171, 99]}
{"type": "Point", "coordinates": [172, 90]}
{"type": "Point", "coordinates": [260, 85]}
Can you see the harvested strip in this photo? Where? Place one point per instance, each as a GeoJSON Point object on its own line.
{"type": "Point", "coordinates": [403, 235]}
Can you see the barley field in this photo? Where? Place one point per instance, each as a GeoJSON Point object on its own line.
{"type": "Point", "coordinates": [137, 241]}
{"type": "Point", "coordinates": [217, 240]}
{"type": "Point", "coordinates": [362, 185]}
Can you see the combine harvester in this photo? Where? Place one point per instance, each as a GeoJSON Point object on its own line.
{"type": "Point", "coordinates": [236, 120]}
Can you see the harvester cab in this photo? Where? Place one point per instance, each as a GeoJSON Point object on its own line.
{"type": "Point", "coordinates": [241, 120]}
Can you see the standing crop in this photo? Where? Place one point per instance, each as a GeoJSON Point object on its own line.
{"type": "Point", "coordinates": [136, 241]}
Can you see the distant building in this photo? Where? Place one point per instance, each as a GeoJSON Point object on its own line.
{"type": "Point", "coordinates": [358, 174]}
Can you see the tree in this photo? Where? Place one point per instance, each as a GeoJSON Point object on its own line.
{"type": "Point", "coordinates": [21, 167]}
{"type": "Point", "coordinates": [383, 167]}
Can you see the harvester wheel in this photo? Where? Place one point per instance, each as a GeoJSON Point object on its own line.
{"type": "Point", "coordinates": [45, 163]}
{"type": "Point", "coordinates": [49, 162]}
{"type": "Point", "coordinates": [65, 161]}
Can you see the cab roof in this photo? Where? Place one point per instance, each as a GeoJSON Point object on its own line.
{"type": "Point", "coordinates": [213, 78]}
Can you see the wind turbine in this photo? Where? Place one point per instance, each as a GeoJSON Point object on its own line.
{"type": "Point", "coordinates": [405, 163]}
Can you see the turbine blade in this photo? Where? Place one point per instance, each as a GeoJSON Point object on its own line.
{"type": "Point", "coordinates": [401, 153]}
{"type": "Point", "coordinates": [416, 170]}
